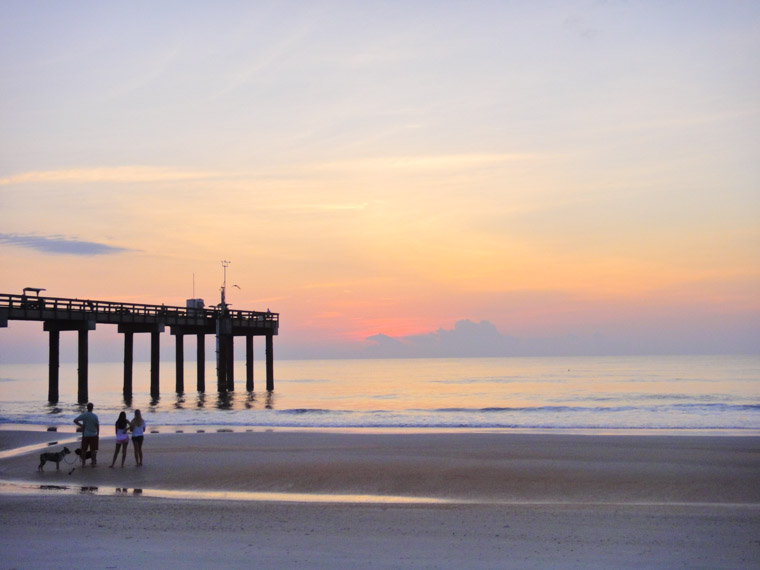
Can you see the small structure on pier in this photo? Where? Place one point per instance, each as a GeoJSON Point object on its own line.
{"type": "Point", "coordinates": [82, 316]}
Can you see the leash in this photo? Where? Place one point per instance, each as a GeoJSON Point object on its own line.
{"type": "Point", "coordinates": [73, 462]}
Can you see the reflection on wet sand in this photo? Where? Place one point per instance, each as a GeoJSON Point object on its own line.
{"type": "Point", "coordinates": [85, 490]}
{"type": "Point", "coordinates": [222, 495]}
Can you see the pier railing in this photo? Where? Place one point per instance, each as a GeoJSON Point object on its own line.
{"type": "Point", "coordinates": [30, 307]}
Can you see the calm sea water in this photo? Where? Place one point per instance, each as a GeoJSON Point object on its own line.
{"type": "Point", "coordinates": [561, 393]}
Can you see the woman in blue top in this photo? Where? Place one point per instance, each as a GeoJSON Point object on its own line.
{"type": "Point", "coordinates": [122, 438]}
{"type": "Point", "coordinates": [138, 430]}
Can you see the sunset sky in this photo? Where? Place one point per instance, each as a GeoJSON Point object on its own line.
{"type": "Point", "coordinates": [394, 178]}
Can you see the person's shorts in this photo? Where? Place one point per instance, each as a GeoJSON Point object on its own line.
{"type": "Point", "coordinates": [89, 442]}
{"type": "Point", "coordinates": [137, 438]}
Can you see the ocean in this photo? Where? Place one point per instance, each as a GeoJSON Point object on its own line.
{"type": "Point", "coordinates": [596, 394]}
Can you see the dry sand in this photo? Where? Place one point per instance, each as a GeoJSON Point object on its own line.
{"type": "Point", "coordinates": [504, 500]}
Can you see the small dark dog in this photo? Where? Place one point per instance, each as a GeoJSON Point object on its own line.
{"type": "Point", "coordinates": [87, 456]}
{"type": "Point", "coordinates": [57, 457]}
{"type": "Point", "coordinates": [78, 451]}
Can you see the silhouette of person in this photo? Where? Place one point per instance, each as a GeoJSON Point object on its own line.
{"type": "Point", "coordinates": [122, 438]}
{"type": "Point", "coordinates": [90, 425]}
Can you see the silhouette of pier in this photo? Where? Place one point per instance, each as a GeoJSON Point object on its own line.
{"type": "Point", "coordinates": [83, 315]}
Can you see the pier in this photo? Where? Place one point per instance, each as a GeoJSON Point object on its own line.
{"type": "Point", "coordinates": [83, 315]}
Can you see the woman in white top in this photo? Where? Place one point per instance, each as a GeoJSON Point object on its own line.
{"type": "Point", "coordinates": [138, 430]}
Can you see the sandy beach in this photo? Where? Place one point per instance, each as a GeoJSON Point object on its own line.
{"type": "Point", "coordinates": [438, 500]}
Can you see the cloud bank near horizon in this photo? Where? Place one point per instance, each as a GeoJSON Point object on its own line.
{"type": "Point", "coordinates": [483, 339]}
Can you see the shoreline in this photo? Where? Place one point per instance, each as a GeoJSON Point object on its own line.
{"type": "Point", "coordinates": [239, 428]}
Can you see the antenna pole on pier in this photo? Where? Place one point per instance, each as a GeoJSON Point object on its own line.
{"type": "Point", "coordinates": [225, 264]}
{"type": "Point", "coordinates": [224, 342]}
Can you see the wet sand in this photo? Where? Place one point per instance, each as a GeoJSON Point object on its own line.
{"type": "Point", "coordinates": [504, 500]}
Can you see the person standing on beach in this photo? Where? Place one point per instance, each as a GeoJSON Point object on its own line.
{"type": "Point", "coordinates": [138, 430]}
{"type": "Point", "coordinates": [122, 438]}
{"type": "Point", "coordinates": [90, 432]}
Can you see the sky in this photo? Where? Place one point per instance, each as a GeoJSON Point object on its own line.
{"type": "Point", "coordinates": [419, 178]}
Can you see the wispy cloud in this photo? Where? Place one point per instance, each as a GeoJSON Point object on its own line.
{"type": "Point", "coordinates": [59, 245]}
{"type": "Point", "coordinates": [335, 207]}
{"type": "Point", "coordinates": [111, 174]}
{"type": "Point", "coordinates": [433, 162]}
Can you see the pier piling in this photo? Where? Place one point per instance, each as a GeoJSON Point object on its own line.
{"type": "Point", "coordinates": [155, 358]}
{"type": "Point", "coordinates": [129, 344]}
{"type": "Point", "coordinates": [249, 362]}
{"type": "Point", "coordinates": [201, 362]}
{"type": "Point", "coordinates": [83, 352]}
{"type": "Point", "coordinates": [180, 363]}
{"type": "Point", "coordinates": [270, 363]}
{"type": "Point", "coordinates": [54, 365]}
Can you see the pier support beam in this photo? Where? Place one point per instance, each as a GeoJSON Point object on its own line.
{"type": "Point", "coordinates": [201, 362]}
{"type": "Point", "coordinates": [82, 370]}
{"type": "Point", "coordinates": [128, 330]}
{"type": "Point", "coordinates": [231, 364]}
{"type": "Point", "coordinates": [180, 362]}
{"type": "Point", "coordinates": [200, 332]}
{"type": "Point", "coordinates": [221, 363]}
{"type": "Point", "coordinates": [82, 328]}
{"type": "Point", "coordinates": [249, 362]}
{"type": "Point", "coordinates": [270, 363]}
{"type": "Point", "coordinates": [225, 379]}
{"type": "Point", "coordinates": [225, 363]}
{"type": "Point", "coordinates": [54, 363]}
{"type": "Point", "coordinates": [155, 362]}
{"type": "Point", "coordinates": [129, 351]}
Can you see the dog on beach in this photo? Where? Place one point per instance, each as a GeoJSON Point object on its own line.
{"type": "Point", "coordinates": [87, 456]}
{"type": "Point", "coordinates": [78, 451]}
{"type": "Point", "coordinates": [50, 456]}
